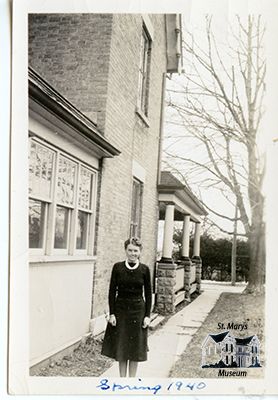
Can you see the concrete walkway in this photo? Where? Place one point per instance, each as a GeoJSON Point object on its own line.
{"type": "Point", "coordinates": [169, 342]}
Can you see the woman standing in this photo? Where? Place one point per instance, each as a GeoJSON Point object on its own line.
{"type": "Point", "coordinates": [126, 334]}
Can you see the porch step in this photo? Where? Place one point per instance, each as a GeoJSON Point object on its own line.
{"type": "Point", "coordinates": [156, 321]}
{"type": "Point", "coordinates": [153, 315]}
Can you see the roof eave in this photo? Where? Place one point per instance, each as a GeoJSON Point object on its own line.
{"type": "Point", "coordinates": [47, 97]}
{"type": "Point", "coordinates": [171, 188]}
{"type": "Point", "coordinates": [174, 43]}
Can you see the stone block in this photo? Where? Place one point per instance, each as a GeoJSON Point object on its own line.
{"type": "Point", "coordinates": [160, 282]}
{"type": "Point", "coordinates": [161, 290]}
{"type": "Point", "coordinates": [161, 298]}
{"type": "Point", "coordinates": [169, 290]}
{"type": "Point", "coordinates": [160, 308]}
{"type": "Point", "coordinates": [169, 282]}
{"type": "Point", "coordinates": [161, 272]}
{"type": "Point", "coordinates": [171, 273]}
{"type": "Point", "coordinates": [165, 282]}
{"type": "Point", "coordinates": [170, 308]}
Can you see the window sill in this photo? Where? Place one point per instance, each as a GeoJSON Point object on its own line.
{"type": "Point", "coordinates": [34, 259]}
{"type": "Point", "coordinates": [143, 117]}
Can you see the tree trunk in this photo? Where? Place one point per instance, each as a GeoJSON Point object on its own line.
{"type": "Point", "coordinates": [256, 275]}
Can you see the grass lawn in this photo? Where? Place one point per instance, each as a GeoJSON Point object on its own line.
{"type": "Point", "coordinates": [230, 307]}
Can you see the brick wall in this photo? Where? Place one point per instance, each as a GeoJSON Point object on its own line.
{"type": "Point", "coordinates": [93, 61]}
{"type": "Point", "coordinates": [71, 52]}
{"type": "Point", "coordinates": [136, 141]}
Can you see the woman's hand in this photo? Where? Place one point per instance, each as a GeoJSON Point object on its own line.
{"type": "Point", "coordinates": [112, 320]}
{"type": "Point", "coordinates": [146, 322]}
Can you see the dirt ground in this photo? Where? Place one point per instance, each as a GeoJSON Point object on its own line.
{"type": "Point", "coordinates": [230, 307]}
{"type": "Point", "coordinates": [85, 360]}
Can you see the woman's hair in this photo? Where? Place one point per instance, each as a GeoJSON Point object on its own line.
{"type": "Point", "coordinates": [135, 241]}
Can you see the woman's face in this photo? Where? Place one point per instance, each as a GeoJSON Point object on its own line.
{"type": "Point", "coordinates": [132, 253]}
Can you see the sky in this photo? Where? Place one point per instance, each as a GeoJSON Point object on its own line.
{"type": "Point", "coordinates": [223, 15]}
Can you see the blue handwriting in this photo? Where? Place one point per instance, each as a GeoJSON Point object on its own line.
{"type": "Point", "coordinates": [105, 385]}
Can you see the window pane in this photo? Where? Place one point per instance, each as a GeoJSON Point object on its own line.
{"type": "Point", "coordinates": [66, 180]}
{"type": "Point", "coordinates": [144, 72]}
{"type": "Point", "coordinates": [82, 229]}
{"type": "Point", "coordinates": [85, 189]}
{"type": "Point", "coordinates": [61, 228]}
{"type": "Point", "coordinates": [41, 161]}
{"type": "Point", "coordinates": [36, 224]}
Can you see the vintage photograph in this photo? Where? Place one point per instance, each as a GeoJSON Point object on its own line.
{"type": "Point", "coordinates": [102, 96]}
{"type": "Point", "coordinates": [146, 198]}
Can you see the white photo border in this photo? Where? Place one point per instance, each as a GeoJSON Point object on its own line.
{"type": "Point", "coordinates": [20, 382]}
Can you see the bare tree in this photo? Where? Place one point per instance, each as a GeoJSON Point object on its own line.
{"type": "Point", "coordinates": [218, 106]}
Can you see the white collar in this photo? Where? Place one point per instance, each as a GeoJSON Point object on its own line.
{"type": "Point", "coordinates": [134, 267]}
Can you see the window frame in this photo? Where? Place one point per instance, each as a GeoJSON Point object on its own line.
{"type": "Point", "coordinates": [42, 250]}
{"type": "Point", "coordinates": [144, 73]}
{"type": "Point", "coordinates": [48, 250]}
{"type": "Point", "coordinates": [57, 203]}
{"type": "Point", "coordinates": [134, 202]}
{"type": "Point", "coordinates": [90, 215]}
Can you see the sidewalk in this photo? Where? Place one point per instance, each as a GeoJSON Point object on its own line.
{"type": "Point", "coordinates": [169, 342]}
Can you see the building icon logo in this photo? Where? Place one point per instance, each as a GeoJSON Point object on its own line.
{"type": "Point", "coordinates": [224, 350]}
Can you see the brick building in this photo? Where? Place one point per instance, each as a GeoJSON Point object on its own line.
{"type": "Point", "coordinates": [96, 86]}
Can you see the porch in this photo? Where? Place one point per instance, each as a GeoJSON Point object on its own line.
{"type": "Point", "coordinates": [177, 280]}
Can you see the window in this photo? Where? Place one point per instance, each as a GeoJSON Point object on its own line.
{"type": "Point", "coordinates": [36, 223]}
{"type": "Point", "coordinates": [84, 207]}
{"type": "Point", "coordinates": [136, 208]}
{"type": "Point", "coordinates": [41, 165]}
{"type": "Point", "coordinates": [66, 177]}
{"type": "Point", "coordinates": [61, 199]}
{"type": "Point", "coordinates": [144, 72]}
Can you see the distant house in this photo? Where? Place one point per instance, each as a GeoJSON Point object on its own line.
{"type": "Point", "coordinates": [224, 349]}
{"type": "Point", "coordinates": [96, 99]}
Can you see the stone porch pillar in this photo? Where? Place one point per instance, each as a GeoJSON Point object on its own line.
{"type": "Point", "coordinates": [166, 281]}
{"type": "Point", "coordinates": [196, 255]}
{"type": "Point", "coordinates": [167, 248]}
{"type": "Point", "coordinates": [166, 269]}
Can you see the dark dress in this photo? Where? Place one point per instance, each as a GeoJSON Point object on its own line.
{"type": "Point", "coordinates": [128, 339]}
